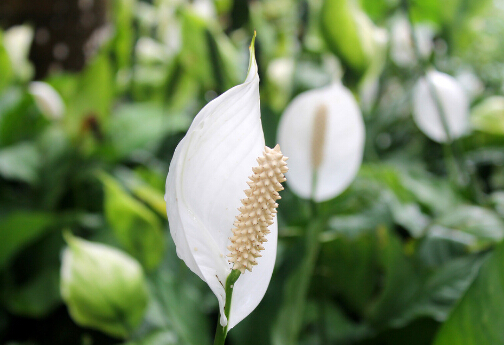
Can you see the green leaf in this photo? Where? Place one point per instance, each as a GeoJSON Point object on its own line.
{"type": "Point", "coordinates": [136, 227]}
{"type": "Point", "coordinates": [288, 325]}
{"type": "Point", "coordinates": [142, 126]}
{"type": "Point", "coordinates": [182, 306]}
{"type": "Point", "coordinates": [478, 227]}
{"type": "Point", "coordinates": [488, 116]}
{"type": "Point", "coordinates": [207, 54]}
{"type": "Point", "coordinates": [478, 317]}
{"type": "Point", "coordinates": [20, 119]}
{"type": "Point", "coordinates": [348, 269]}
{"type": "Point", "coordinates": [414, 290]}
{"type": "Point", "coordinates": [20, 162]}
{"type": "Point", "coordinates": [157, 338]}
{"type": "Point", "coordinates": [20, 228]}
{"type": "Point", "coordinates": [91, 99]}
{"type": "Point", "coordinates": [5, 65]}
{"type": "Point", "coordinates": [26, 299]}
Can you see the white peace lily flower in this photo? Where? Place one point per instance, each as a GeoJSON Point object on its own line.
{"type": "Point", "coordinates": [48, 100]}
{"type": "Point", "coordinates": [402, 49]}
{"type": "Point", "coordinates": [454, 103]}
{"type": "Point", "coordinates": [207, 178]}
{"type": "Point", "coordinates": [17, 41]}
{"type": "Point", "coordinates": [322, 132]}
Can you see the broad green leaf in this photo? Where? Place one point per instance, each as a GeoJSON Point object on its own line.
{"type": "Point", "coordinates": [27, 299]}
{"type": "Point", "coordinates": [207, 54]}
{"type": "Point", "coordinates": [477, 226]}
{"type": "Point", "coordinates": [157, 338]}
{"type": "Point", "coordinates": [20, 162]}
{"type": "Point", "coordinates": [20, 228]}
{"type": "Point", "coordinates": [289, 322]}
{"type": "Point", "coordinates": [414, 290]}
{"type": "Point", "coordinates": [349, 270]}
{"type": "Point", "coordinates": [19, 117]}
{"type": "Point", "coordinates": [142, 126]}
{"type": "Point", "coordinates": [136, 227]}
{"type": "Point", "coordinates": [89, 105]}
{"type": "Point", "coordinates": [123, 40]}
{"type": "Point", "coordinates": [478, 317]}
{"type": "Point", "coordinates": [488, 116]}
{"type": "Point", "coordinates": [5, 65]}
{"type": "Point", "coordinates": [182, 308]}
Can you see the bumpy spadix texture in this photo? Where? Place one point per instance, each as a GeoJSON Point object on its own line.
{"type": "Point", "coordinates": [207, 177]}
{"type": "Point", "coordinates": [258, 209]}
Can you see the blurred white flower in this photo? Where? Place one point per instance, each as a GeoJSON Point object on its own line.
{"type": "Point", "coordinates": [103, 287]}
{"type": "Point", "coordinates": [206, 181]}
{"type": "Point", "coordinates": [150, 51]}
{"type": "Point", "coordinates": [48, 100]}
{"type": "Point", "coordinates": [204, 9]}
{"type": "Point", "coordinates": [17, 41]}
{"type": "Point", "coordinates": [454, 103]}
{"type": "Point", "coordinates": [280, 72]}
{"type": "Point", "coordinates": [471, 84]}
{"type": "Point", "coordinates": [402, 49]}
{"type": "Point", "coordinates": [322, 132]}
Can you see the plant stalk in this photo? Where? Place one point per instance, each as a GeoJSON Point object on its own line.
{"type": "Point", "coordinates": [221, 331]}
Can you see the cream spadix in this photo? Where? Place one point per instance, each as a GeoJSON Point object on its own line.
{"type": "Point", "coordinates": [205, 184]}
{"type": "Point", "coordinates": [322, 133]}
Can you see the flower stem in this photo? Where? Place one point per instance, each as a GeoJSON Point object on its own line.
{"type": "Point", "coordinates": [221, 332]}
{"type": "Point", "coordinates": [456, 164]}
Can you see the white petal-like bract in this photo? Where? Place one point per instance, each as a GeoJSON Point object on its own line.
{"type": "Point", "coordinates": [330, 118]}
{"type": "Point", "coordinates": [48, 100]}
{"type": "Point", "coordinates": [451, 97]}
{"type": "Point", "coordinates": [206, 181]}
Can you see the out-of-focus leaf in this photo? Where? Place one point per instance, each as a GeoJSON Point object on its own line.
{"type": "Point", "coordinates": [340, 329]}
{"type": "Point", "coordinates": [157, 338]}
{"type": "Point", "coordinates": [123, 40]}
{"type": "Point", "coordinates": [288, 325]}
{"type": "Point", "coordinates": [430, 191]}
{"type": "Point", "coordinates": [141, 127]}
{"type": "Point", "coordinates": [20, 162]}
{"type": "Point", "coordinates": [348, 269]}
{"type": "Point", "coordinates": [136, 227]}
{"type": "Point", "coordinates": [207, 53]}
{"type": "Point", "coordinates": [413, 290]}
{"type": "Point", "coordinates": [183, 308]}
{"type": "Point", "coordinates": [481, 226]}
{"type": "Point", "coordinates": [91, 100]}
{"type": "Point", "coordinates": [151, 197]}
{"type": "Point", "coordinates": [488, 116]}
{"type": "Point", "coordinates": [19, 117]}
{"type": "Point", "coordinates": [5, 65]}
{"type": "Point", "coordinates": [478, 317]}
{"type": "Point", "coordinates": [19, 228]}
{"type": "Point", "coordinates": [27, 300]}
{"type": "Point", "coordinates": [435, 11]}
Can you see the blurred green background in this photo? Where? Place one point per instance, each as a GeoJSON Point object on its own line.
{"type": "Point", "coordinates": [410, 253]}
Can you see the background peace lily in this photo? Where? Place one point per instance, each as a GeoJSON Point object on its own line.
{"type": "Point", "coordinates": [322, 132]}
{"type": "Point", "coordinates": [206, 181]}
{"type": "Point", "coordinates": [452, 99]}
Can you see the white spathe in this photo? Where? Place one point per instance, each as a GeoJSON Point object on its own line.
{"type": "Point", "coordinates": [454, 103]}
{"type": "Point", "coordinates": [342, 148]}
{"type": "Point", "coordinates": [206, 181]}
{"type": "Point", "coordinates": [48, 100]}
